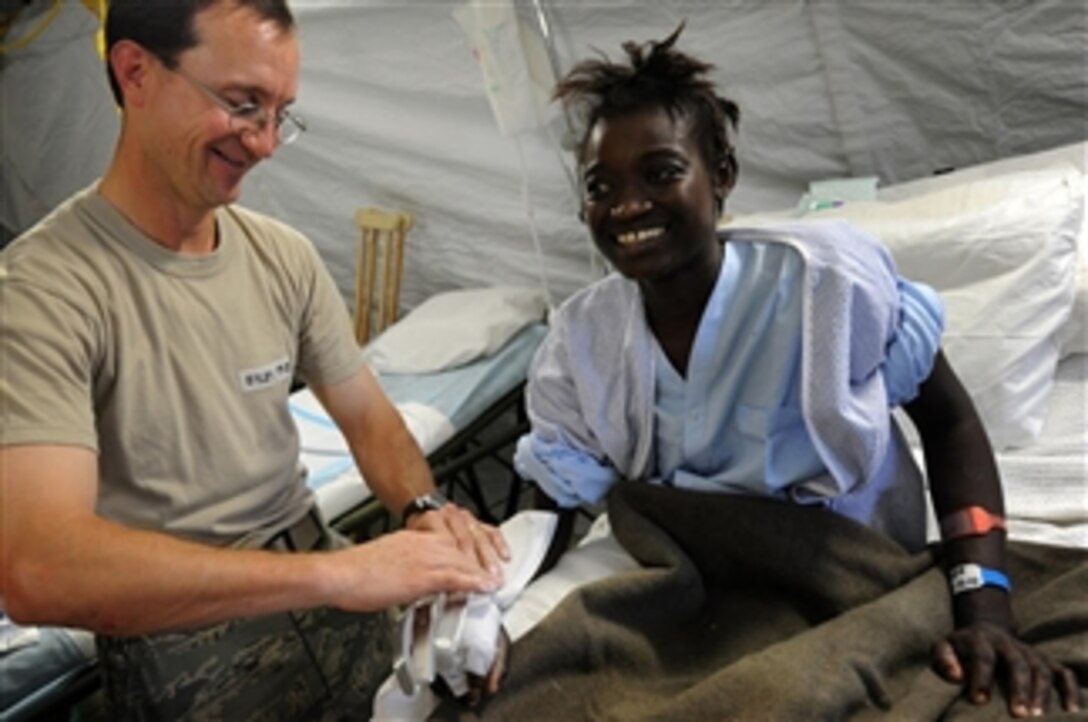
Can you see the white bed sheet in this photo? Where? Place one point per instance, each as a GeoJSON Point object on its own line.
{"type": "Point", "coordinates": [434, 406]}
{"type": "Point", "coordinates": [1046, 484]}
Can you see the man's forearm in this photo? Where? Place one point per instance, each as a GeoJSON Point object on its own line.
{"type": "Point", "coordinates": [97, 575]}
{"type": "Point", "coordinates": [387, 455]}
{"type": "Point", "coordinates": [397, 473]}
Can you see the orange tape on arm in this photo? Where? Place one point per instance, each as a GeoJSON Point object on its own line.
{"type": "Point", "coordinates": [970, 521]}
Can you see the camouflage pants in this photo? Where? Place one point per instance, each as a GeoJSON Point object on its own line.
{"type": "Point", "coordinates": [317, 664]}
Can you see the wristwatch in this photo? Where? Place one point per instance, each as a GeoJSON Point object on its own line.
{"type": "Point", "coordinates": [427, 502]}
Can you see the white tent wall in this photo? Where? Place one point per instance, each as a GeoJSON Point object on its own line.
{"type": "Point", "coordinates": [58, 120]}
{"type": "Point", "coordinates": [398, 116]}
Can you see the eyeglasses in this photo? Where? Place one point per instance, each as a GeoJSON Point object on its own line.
{"type": "Point", "coordinates": [250, 117]}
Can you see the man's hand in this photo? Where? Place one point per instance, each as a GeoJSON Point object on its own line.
{"type": "Point", "coordinates": [399, 568]}
{"type": "Point", "coordinates": [979, 654]}
{"type": "Point", "coordinates": [472, 536]}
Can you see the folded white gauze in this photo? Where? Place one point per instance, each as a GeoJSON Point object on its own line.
{"type": "Point", "coordinates": [465, 641]}
{"type": "Point", "coordinates": [451, 639]}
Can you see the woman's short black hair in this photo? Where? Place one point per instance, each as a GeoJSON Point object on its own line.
{"type": "Point", "coordinates": [166, 29]}
{"type": "Point", "coordinates": [656, 75]}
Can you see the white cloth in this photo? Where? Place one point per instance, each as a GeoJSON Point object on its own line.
{"type": "Point", "coordinates": [460, 638]}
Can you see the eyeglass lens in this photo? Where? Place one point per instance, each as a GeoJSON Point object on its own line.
{"type": "Point", "coordinates": [256, 120]}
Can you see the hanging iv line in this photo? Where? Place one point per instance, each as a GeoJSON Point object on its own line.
{"type": "Point", "coordinates": [519, 68]}
{"type": "Point", "coordinates": [530, 213]}
{"type": "Point", "coordinates": [568, 143]}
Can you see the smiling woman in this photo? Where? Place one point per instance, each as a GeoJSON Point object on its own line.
{"type": "Point", "coordinates": [657, 163]}
{"type": "Point", "coordinates": [759, 362]}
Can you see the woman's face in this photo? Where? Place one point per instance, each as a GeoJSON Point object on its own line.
{"type": "Point", "coordinates": [648, 196]}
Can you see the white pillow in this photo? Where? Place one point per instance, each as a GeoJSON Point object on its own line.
{"type": "Point", "coordinates": [1002, 253]}
{"type": "Point", "coordinates": [454, 328]}
{"type": "Point", "coordinates": [1074, 336]}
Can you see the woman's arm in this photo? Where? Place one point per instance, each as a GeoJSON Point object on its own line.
{"type": "Point", "coordinates": [564, 530]}
{"type": "Point", "coordinates": [963, 473]}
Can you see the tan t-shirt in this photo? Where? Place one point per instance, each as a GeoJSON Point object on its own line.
{"type": "Point", "coordinates": [174, 368]}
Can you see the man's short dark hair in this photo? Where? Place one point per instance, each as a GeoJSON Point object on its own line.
{"type": "Point", "coordinates": [167, 29]}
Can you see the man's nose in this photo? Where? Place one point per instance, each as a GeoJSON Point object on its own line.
{"type": "Point", "coordinates": [262, 141]}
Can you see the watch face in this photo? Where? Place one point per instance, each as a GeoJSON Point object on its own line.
{"type": "Point", "coordinates": [427, 502]}
{"type": "Point", "coordinates": [432, 501]}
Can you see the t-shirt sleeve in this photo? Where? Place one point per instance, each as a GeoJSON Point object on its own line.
{"type": "Point", "coordinates": [47, 358]}
{"type": "Point", "coordinates": [328, 353]}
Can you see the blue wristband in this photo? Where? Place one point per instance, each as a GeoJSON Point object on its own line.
{"type": "Point", "coordinates": [969, 577]}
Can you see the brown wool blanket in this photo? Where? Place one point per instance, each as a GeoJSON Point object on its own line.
{"type": "Point", "coordinates": [751, 609]}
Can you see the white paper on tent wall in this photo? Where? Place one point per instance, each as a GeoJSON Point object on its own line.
{"type": "Point", "coordinates": [517, 76]}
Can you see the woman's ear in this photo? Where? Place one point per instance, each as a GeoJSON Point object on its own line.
{"type": "Point", "coordinates": [726, 179]}
{"type": "Point", "coordinates": [727, 174]}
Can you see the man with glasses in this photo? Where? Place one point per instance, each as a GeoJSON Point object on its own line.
{"type": "Point", "coordinates": [149, 478]}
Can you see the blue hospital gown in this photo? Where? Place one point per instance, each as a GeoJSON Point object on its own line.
{"type": "Point", "coordinates": [735, 422]}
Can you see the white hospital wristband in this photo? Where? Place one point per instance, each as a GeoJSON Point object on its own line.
{"type": "Point", "coordinates": [969, 577]}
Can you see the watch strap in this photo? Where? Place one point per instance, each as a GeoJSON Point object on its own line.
{"type": "Point", "coordinates": [424, 502]}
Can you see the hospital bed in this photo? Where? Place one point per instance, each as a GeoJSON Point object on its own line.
{"type": "Point", "coordinates": [1006, 246]}
{"type": "Point", "coordinates": [577, 628]}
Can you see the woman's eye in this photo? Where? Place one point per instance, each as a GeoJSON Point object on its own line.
{"type": "Point", "coordinates": [664, 174]}
{"type": "Point", "coordinates": [595, 189]}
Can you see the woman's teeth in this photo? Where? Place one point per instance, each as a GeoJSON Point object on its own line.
{"type": "Point", "coordinates": [645, 234]}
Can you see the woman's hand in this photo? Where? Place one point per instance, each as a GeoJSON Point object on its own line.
{"type": "Point", "coordinates": [979, 654]}
{"type": "Point", "coordinates": [479, 688]}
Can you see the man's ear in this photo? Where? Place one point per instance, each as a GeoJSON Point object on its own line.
{"type": "Point", "coordinates": [131, 65]}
